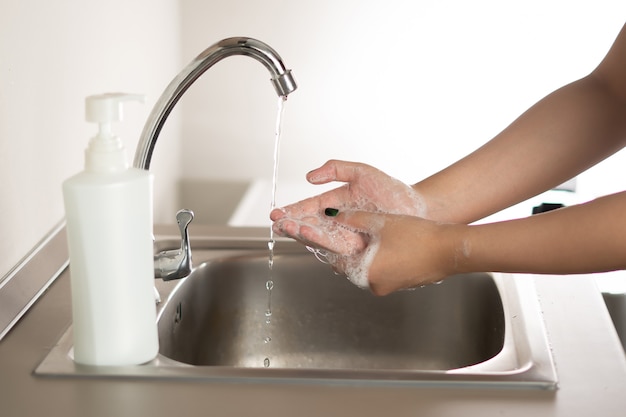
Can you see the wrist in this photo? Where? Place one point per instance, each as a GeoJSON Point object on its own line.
{"type": "Point", "coordinates": [433, 206]}
{"type": "Point", "coordinates": [458, 248]}
{"type": "Point", "coordinates": [424, 207]}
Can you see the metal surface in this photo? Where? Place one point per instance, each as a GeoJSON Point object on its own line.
{"type": "Point", "coordinates": [321, 321]}
{"type": "Point", "coordinates": [281, 78]}
{"type": "Point", "coordinates": [25, 283]}
{"type": "Point", "coordinates": [176, 263]}
{"type": "Point", "coordinates": [616, 304]}
{"type": "Point", "coordinates": [479, 329]}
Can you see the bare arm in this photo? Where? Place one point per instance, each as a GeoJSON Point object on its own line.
{"type": "Point", "coordinates": [584, 238]}
{"type": "Point", "coordinates": [408, 251]}
{"type": "Point", "coordinates": [562, 135]}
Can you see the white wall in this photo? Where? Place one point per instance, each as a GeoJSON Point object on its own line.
{"type": "Point", "coordinates": [52, 55]}
{"type": "Point", "coordinates": [408, 86]}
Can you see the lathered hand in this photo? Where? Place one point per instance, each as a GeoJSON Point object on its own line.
{"type": "Point", "coordinates": [366, 189]}
{"type": "Point", "coordinates": [402, 251]}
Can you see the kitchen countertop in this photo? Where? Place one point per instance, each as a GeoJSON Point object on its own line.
{"type": "Point", "coordinates": [590, 362]}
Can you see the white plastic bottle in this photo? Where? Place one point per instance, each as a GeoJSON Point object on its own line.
{"type": "Point", "coordinates": [108, 210]}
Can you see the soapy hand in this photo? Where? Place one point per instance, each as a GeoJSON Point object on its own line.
{"type": "Point", "coordinates": [401, 252]}
{"type": "Point", "coordinates": [366, 189]}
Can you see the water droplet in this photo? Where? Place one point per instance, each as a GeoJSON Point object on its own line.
{"type": "Point", "coordinates": [267, 339]}
{"type": "Point", "coordinates": [437, 282]}
{"type": "Point", "coordinates": [266, 362]}
{"type": "Point", "coordinates": [269, 285]}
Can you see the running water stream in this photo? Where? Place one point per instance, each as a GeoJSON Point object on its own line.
{"type": "Point", "coordinates": [269, 284]}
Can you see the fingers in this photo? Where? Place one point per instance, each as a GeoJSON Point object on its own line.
{"type": "Point", "coordinates": [336, 170]}
{"type": "Point", "coordinates": [305, 233]}
{"type": "Point", "coordinates": [322, 234]}
{"type": "Point", "coordinates": [333, 170]}
{"type": "Point", "coordinates": [345, 233]}
{"type": "Point", "coordinates": [313, 206]}
{"type": "Point", "coordinates": [277, 214]}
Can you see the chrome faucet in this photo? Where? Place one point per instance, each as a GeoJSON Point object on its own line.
{"type": "Point", "coordinates": [281, 79]}
{"type": "Point", "coordinates": [177, 264]}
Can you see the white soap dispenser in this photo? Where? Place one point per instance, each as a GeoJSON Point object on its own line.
{"type": "Point", "coordinates": [108, 211]}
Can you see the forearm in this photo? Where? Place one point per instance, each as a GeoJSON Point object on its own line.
{"type": "Point", "coordinates": [579, 239]}
{"type": "Point", "coordinates": [562, 135]}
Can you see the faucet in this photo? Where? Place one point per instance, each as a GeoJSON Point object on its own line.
{"type": "Point", "coordinates": [176, 264]}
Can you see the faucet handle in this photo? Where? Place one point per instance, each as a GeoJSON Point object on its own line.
{"type": "Point", "coordinates": [176, 263]}
{"type": "Point", "coordinates": [183, 218]}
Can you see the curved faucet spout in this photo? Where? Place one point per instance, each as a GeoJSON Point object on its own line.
{"type": "Point", "coordinates": [281, 79]}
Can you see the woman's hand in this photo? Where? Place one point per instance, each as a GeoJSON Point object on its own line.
{"type": "Point", "coordinates": [400, 251]}
{"type": "Point", "coordinates": [366, 189]}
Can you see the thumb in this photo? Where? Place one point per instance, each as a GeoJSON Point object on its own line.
{"type": "Point", "coordinates": [335, 170]}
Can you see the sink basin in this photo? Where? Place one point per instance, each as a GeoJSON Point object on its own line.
{"type": "Point", "coordinates": [321, 321]}
{"type": "Point", "coordinates": [474, 329]}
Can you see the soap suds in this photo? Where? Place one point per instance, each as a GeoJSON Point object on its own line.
{"type": "Point", "coordinates": [322, 233]}
{"type": "Point", "coordinates": [347, 249]}
{"type": "Point", "coordinates": [357, 267]}
{"type": "Point", "coordinates": [342, 247]}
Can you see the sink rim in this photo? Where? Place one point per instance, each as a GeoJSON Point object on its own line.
{"type": "Point", "coordinates": [525, 360]}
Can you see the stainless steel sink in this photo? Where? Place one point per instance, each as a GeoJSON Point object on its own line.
{"type": "Point", "coordinates": [474, 329]}
{"type": "Point", "coordinates": [319, 320]}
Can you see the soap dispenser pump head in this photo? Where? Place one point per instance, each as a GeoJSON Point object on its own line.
{"type": "Point", "coordinates": [106, 151]}
{"type": "Point", "coordinates": [107, 108]}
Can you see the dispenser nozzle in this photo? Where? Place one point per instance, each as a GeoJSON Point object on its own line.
{"type": "Point", "coordinates": [106, 108]}
{"type": "Point", "coordinates": [106, 151]}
